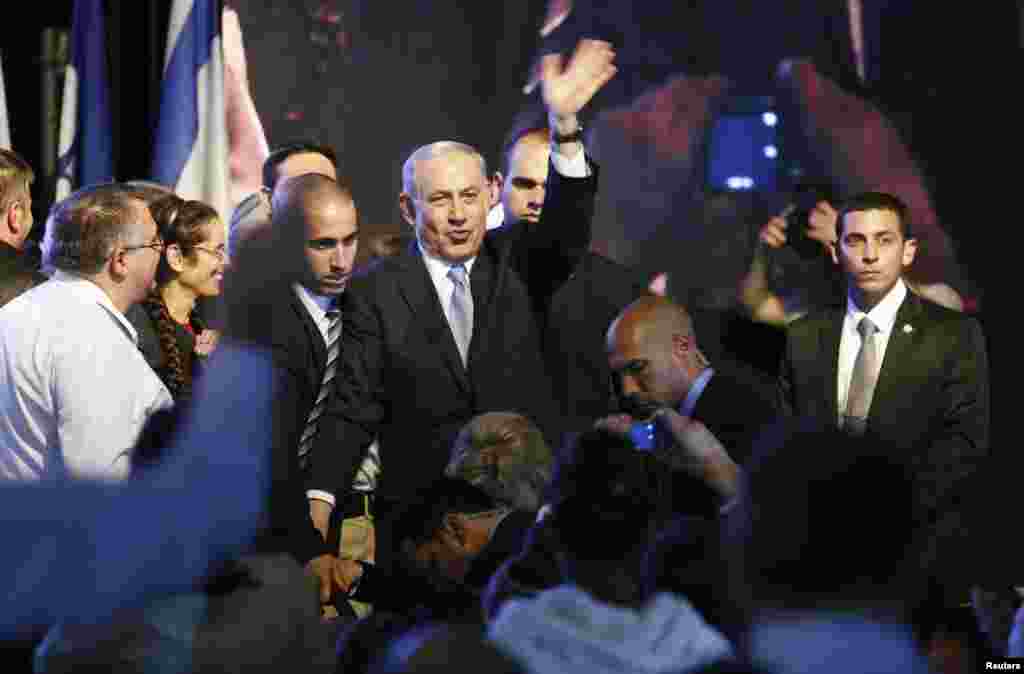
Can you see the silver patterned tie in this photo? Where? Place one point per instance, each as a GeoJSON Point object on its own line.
{"type": "Point", "coordinates": [863, 379]}
{"type": "Point", "coordinates": [330, 371]}
{"type": "Point", "coordinates": [461, 310]}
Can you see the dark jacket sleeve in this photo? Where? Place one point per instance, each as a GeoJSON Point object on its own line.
{"type": "Point", "coordinates": [545, 254]}
{"type": "Point", "coordinates": [961, 445]}
{"type": "Point", "coordinates": [290, 527]}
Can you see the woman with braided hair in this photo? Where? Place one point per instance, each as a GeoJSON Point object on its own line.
{"type": "Point", "coordinates": [171, 336]}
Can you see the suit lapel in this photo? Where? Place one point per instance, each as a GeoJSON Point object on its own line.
{"type": "Point", "coordinates": [482, 285]}
{"type": "Point", "coordinates": [311, 329]}
{"type": "Point", "coordinates": [417, 289]}
{"type": "Point", "coordinates": [899, 355]}
{"type": "Point", "coordinates": [829, 336]}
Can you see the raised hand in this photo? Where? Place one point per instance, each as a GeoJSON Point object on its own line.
{"type": "Point", "coordinates": [567, 87]}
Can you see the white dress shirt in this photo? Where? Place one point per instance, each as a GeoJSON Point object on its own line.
{"type": "Point", "coordinates": [75, 391]}
{"type": "Point", "coordinates": [495, 217]}
{"type": "Point", "coordinates": [317, 306]}
{"type": "Point", "coordinates": [883, 315]}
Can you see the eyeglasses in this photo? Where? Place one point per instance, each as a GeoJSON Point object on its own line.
{"type": "Point", "coordinates": [219, 253]}
{"type": "Point", "coordinates": [157, 245]}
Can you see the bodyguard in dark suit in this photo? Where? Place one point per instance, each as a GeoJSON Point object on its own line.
{"type": "Point", "coordinates": [581, 310]}
{"type": "Point", "coordinates": [422, 352]}
{"type": "Point", "coordinates": [895, 368]}
{"type": "Point", "coordinates": [657, 363]}
{"type": "Point", "coordinates": [314, 220]}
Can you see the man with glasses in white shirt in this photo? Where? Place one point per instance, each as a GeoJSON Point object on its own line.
{"type": "Point", "coordinates": [74, 388]}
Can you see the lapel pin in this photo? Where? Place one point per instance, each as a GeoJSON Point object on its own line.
{"type": "Point", "coordinates": [908, 328]}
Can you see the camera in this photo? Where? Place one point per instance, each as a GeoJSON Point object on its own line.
{"type": "Point", "coordinates": [805, 197]}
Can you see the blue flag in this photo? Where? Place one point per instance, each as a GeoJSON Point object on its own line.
{"type": "Point", "coordinates": [85, 155]}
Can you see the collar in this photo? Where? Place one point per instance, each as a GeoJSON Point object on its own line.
{"type": "Point", "coordinates": [86, 290]}
{"type": "Point", "coordinates": [883, 315]}
{"type": "Point", "coordinates": [316, 305]}
{"type": "Point", "coordinates": [696, 389]}
{"type": "Point", "coordinates": [496, 217]}
{"type": "Point", "coordinates": [438, 268]}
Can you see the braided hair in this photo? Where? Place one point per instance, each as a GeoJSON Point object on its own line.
{"type": "Point", "coordinates": [182, 223]}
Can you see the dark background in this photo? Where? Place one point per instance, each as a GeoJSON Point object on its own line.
{"type": "Point", "coordinates": [376, 79]}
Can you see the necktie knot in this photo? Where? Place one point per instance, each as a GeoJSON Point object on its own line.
{"type": "Point", "coordinates": [457, 274]}
{"type": "Point", "coordinates": [866, 328]}
{"type": "Point", "coordinates": [332, 314]}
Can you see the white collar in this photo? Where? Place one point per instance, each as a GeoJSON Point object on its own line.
{"type": "Point", "coordinates": [496, 217]}
{"type": "Point", "coordinates": [87, 290]}
{"type": "Point", "coordinates": [315, 304]}
{"type": "Point", "coordinates": [438, 268]}
{"type": "Point", "coordinates": [883, 315]}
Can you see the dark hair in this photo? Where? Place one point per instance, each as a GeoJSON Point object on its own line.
{"type": "Point", "coordinates": [279, 155]}
{"type": "Point", "coordinates": [686, 560]}
{"type": "Point", "coordinates": [180, 223]}
{"type": "Point", "coordinates": [516, 135]}
{"type": "Point", "coordinates": [424, 515]}
{"type": "Point", "coordinates": [608, 486]}
{"type": "Point", "coordinates": [804, 494]}
{"type": "Point", "coordinates": [876, 201]}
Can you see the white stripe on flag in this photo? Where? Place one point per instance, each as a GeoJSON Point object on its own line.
{"type": "Point", "coordinates": [5, 126]}
{"type": "Point", "coordinates": [205, 176]}
{"type": "Point", "coordinates": [68, 128]}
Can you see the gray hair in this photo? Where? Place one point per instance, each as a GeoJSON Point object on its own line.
{"type": "Point", "coordinates": [505, 455]}
{"type": "Point", "coordinates": [83, 229]}
{"type": "Point", "coordinates": [441, 147]}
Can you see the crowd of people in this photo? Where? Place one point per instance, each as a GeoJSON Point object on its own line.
{"type": "Point", "coordinates": [226, 447]}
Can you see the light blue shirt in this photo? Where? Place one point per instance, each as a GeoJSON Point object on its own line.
{"type": "Point", "coordinates": [696, 389]}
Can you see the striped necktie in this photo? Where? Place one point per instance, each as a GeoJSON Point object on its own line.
{"type": "Point", "coordinates": [330, 371]}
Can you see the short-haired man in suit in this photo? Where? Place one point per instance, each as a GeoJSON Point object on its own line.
{"type": "Point", "coordinates": [584, 306]}
{"type": "Point", "coordinates": [657, 363]}
{"type": "Point", "coordinates": [17, 273]}
{"type": "Point", "coordinates": [315, 221]}
{"type": "Point", "coordinates": [891, 365]}
{"type": "Point", "coordinates": [449, 329]}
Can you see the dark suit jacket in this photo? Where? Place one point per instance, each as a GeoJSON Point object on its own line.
{"type": "Point", "coordinates": [17, 273]}
{"type": "Point", "coordinates": [574, 336]}
{"type": "Point", "coordinates": [401, 377]}
{"type": "Point", "coordinates": [735, 409]}
{"type": "Point", "coordinates": [930, 404]}
{"type": "Point", "coordinates": [300, 356]}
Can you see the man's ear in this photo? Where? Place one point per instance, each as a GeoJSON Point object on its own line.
{"type": "Point", "coordinates": [681, 346]}
{"type": "Point", "coordinates": [909, 251]}
{"type": "Point", "coordinates": [407, 205]}
{"type": "Point", "coordinates": [497, 185]}
{"type": "Point", "coordinates": [117, 265]}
